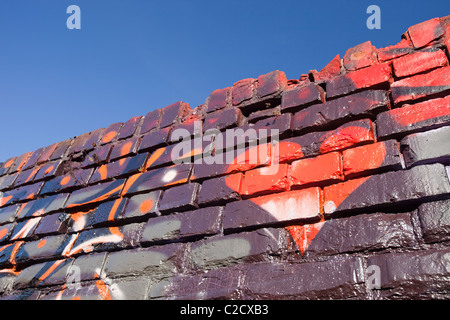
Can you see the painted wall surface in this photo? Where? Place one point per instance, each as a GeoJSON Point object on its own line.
{"type": "Point", "coordinates": [332, 186]}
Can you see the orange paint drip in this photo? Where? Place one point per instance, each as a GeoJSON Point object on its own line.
{"type": "Point", "coordinates": [4, 200]}
{"type": "Point", "coordinates": [50, 270]}
{"type": "Point", "coordinates": [131, 180]}
{"type": "Point", "coordinates": [103, 197]}
{"type": "Point", "coordinates": [126, 148]}
{"type": "Point", "coordinates": [103, 291]}
{"type": "Point", "coordinates": [103, 170]}
{"type": "Point", "coordinates": [3, 232]}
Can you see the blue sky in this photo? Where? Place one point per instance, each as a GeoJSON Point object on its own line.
{"type": "Point", "coordinates": [133, 56]}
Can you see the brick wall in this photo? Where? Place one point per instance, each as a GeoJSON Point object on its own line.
{"type": "Point", "coordinates": [355, 178]}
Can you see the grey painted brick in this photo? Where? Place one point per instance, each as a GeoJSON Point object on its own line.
{"type": "Point", "coordinates": [427, 147]}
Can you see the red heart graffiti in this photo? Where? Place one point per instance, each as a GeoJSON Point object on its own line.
{"type": "Point", "coordinates": [295, 205]}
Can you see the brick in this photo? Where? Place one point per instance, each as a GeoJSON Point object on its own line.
{"type": "Point", "coordinates": [97, 193]}
{"type": "Point", "coordinates": [155, 261]}
{"type": "Point", "coordinates": [360, 56]}
{"type": "Point", "coordinates": [56, 223]}
{"type": "Point", "coordinates": [271, 83]}
{"type": "Point", "coordinates": [119, 168]}
{"type": "Point", "coordinates": [106, 239]}
{"type": "Point", "coordinates": [174, 113]}
{"type": "Point", "coordinates": [425, 32]}
{"type": "Point", "coordinates": [391, 52]}
{"type": "Point", "coordinates": [233, 161]}
{"type": "Point", "coordinates": [331, 70]}
{"type": "Point", "coordinates": [217, 191]}
{"type": "Point", "coordinates": [304, 205]}
{"type": "Point", "coordinates": [367, 232]}
{"type": "Point", "coordinates": [340, 277]}
{"type": "Point", "coordinates": [8, 214]}
{"type": "Point", "coordinates": [157, 178]}
{"type": "Point", "coordinates": [151, 121]}
{"type": "Point", "coordinates": [218, 99]}
{"type": "Point", "coordinates": [45, 248]}
{"type": "Point", "coordinates": [78, 143]}
{"type": "Point", "coordinates": [215, 284]}
{"type": "Point", "coordinates": [129, 128]}
{"type": "Point", "coordinates": [302, 96]}
{"type": "Point", "coordinates": [93, 139]}
{"type": "Point", "coordinates": [200, 222]}
{"type": "Point", "coordinates": [5, 232]}
{"type": "Point", "coordinates": [42, 206]}
{"type": "Point", "coordinates": [348, 135]}
{"type": "Point", "coordinates": [398, 187]}
{"type": "Point", "coordinates": [19, 162]}
{"type": "Point", "coordinates": [154, 139]}
{"type": "Point", "coordinates": [27, 192]}
{"type": "Point", "coordinates": [411, 118]}
{"type": "Point", "coordinates": [48, 170]}
{"type": "Point", "coordinates": [242, 91]}
{"type": "Point", "coordinates": [435, 220]}
{"type": "Point", "coordinates": [7, 181]}
{"type": "Point", "coordinates": [421, 85]}
{"type": "Point", "coordinates": [192, 127]}
{"type": "Point", "coordinates": [375, 76]}
{"type": "Point", "coordinates": [111, 133]}
{"type": "Point", "coordinates": [303, 171]}
{"type": "Point", "coordinates": [32, 161]}
{"type": "Point", "coordinates": [142, 205]}
{"type": "Point", "coordinates": [25, 229]}
{"type": "Point", "coordinates": [265, 180]}
{"type": "Point", "coordinates": [61, 149]}
{"type": "Point", "coordinates": [47, 153]}
{"type": "Point", "coordinates": [26, 176]}
{"type": "Point", "coordinates": [43, 274]}
{"type": "Point", "coordinates": [418, 62]}
{"type": "Point", "coordinates": [6, 280]}
{"type": "Point", "coordinates": [372, 158]}
{"type": "Point", "coordinates": [282, 123]}
{"type": "Point", "coordinates": [6, 166]}
{"type": "Point", "coordinates": [179, 198]}
{"type": "Point", "coordinates": [76, 178]}
{"type": "Point", "coordinates": [125, 148]}
{"type": "Point", "coordinates": [223, 119]}
{"type": "Point", "coordinates": [89, 265]}
{"type": "Point", "coordinates": [7, 254]}
{"type": "Point", "coordinates": [358, 104]}
{"type": "Point", "coordinates": [104, 213]}
{"type": "Point", "coordinates": [97, 156]}
{"type": "Point", "coordinates": [261, 114]}
{"type": "Point", "coordinates": [427, 147]}
{"type": "Point", "coordinates": [413, 275]}
{"type": "Point", "coordinates": [220, 251]}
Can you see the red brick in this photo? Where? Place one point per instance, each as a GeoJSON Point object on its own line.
{"type": "Point", "coordinates": [61, 149]}
{"type": "Point", "coordinates": [331, 70]}
{"type": "Point", "coordinates": [372, 158]}
{"type": "Point", "coordinates": [97, 156]}
{"type": "Point", "coordinates": [324, 168]}
{"type": "Point", "coordinates": [96, 193]}
{"type": "Point", "coordinates": [93, 139]}
{"type": "Point", "coordinates": [395, 51]}
{"type": "Point", "coordinates": [218, 99]}
{"type": "Point", "coordinates": [22, 193]}
{"type": "Point", "coordinates": [410, 118]}
{"type": "Point", "coordinates": [46, 153]}
{"type": "Point", "coordinates": [48, 170]}
{"type": "Point", "coordinates": [271, 83]}
{"type": "Point", "coordinates": [179, 198]}
{"type": "Point", "coordinates": [33, 159]}
{"type": "Point", "coordinates": [154, 139]}
{"type": "Point", "coordinates": [19, 162]}
{"type": "Point", "coordinates": [242, 91]}
{"type": "Point", "coordinates": [424, 33]}
{"type": "Point", "coordinates": [374, 76]}
{"type": "Point", "coordinates": [360, 56]}
{"type": "Point", "coordinates": [302, 96]}
{"type": "Point", "coordinates": [265, 180]}
{"type": "Point", "coordinates": [422, 85]}
{"type": "Point", "coordinates": [220, 190]}
{"type": "Point", "coordinates": [419, 62]}
{"type": "Point", "coordinates": [75, 178]}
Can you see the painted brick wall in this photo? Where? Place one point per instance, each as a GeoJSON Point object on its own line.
{"type": "Point", "coordinates": [362, 181]}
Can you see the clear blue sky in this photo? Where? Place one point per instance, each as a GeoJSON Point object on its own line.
{"type": "Point", "coordinates": [133, 56]}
